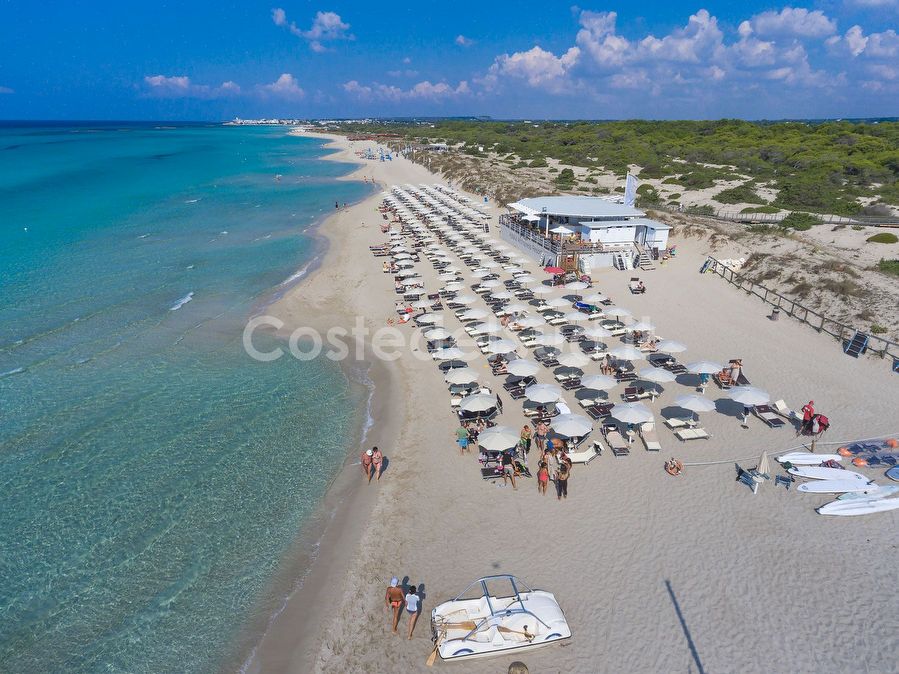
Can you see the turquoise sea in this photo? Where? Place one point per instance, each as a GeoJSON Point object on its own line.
{"type": "Point", "coordinates": [152, 475]}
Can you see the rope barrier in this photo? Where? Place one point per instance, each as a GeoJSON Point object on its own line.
{"type": "Point", "coordinates": [789, 449]}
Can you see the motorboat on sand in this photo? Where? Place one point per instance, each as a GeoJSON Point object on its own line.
{"type": "Point", "coordinates": [495, 615]}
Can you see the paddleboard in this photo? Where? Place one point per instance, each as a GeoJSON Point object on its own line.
{"type": "Point", "coordinates": [819, 473]}
{"type": "Point", "coordinates": [833, 487]}
{"type": "Point", "coordinates": [807, 458]}
{"type": "Point", "coordinates": [859, 507]}
{"type": "Point", "coordinates": [893, 473]}
{"type": "Point", "coordinates": [880, 492]}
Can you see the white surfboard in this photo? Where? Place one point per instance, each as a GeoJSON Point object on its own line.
{"type": "Point", "coordinates": [819, 473]}
{"type": "Point", "coordinates": [873, 492]}
{"type": "Point", "coordinates": [807, 458]}
{"type": "Point", "coordinates": [833, 487]}
{"type": "Point", "coordinates": [859, 507]}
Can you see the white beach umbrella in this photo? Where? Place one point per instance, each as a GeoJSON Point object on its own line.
{"type": "Point", "coordinates": [572, 425]}
{"type": "Point", "coordinates": [474, 315]}
{"type": "Point", "coordinates": [479, 402]}
{"type": "Point", "coordinates": [517, 307]}
{"type": "Point", "coordinates": [487, 327]}
{"type": "Point", "coordinates": [694, 403]}
{"type": "Point", "coordinates": [749, 395]}
{"type": "Point", "coordinates": [599, 382]}
{"type": "Point", "coordinates": [446, 276]}
{"type": "Point", "coordinates": [492, 283]}
{"type": "Point", "coordinates": [502, 295]}
{"type": "Point", "coordinates": [525, 278]}
{"type": "Point", "coordinates": [453, 286]}
{"type": "Point", "coordinates": [573, 359]}
{"type": "Point", "coordinates": [421, 304]}
{"type": "Point", "coordinates": [501, 346]}
{"type": "Point", "coordinates": [627, 352]}
{"type": "Point", "coordinates": [561, 229]}
{"type": "Point", "coordinates": [576, 285]}
{"type": "Point", "coordinates": [436, 333]}
{"type": "Point", "coordinates": [618, 312]}
{"type": "Point", "coordinates": [498, 438]}
{"type": "Point", "coordinates": [429, 319]}
{"type": "Point", "coordinates": [461, 375]}
{"type": "Point", "coordinates": [596, 332]}
{"type": "Point", "coordinates": [549, 339]}
{"type": "Point", "coordinates": [541, 290]}
{"type": "Point", "coordinates": [641, 325]}
{"type": "Point", "coordinates": [704, 367]}
{"type": "Point", "coordinates": [449, 353]}
{"type": "Point", "coordinates": [413, 281]}
{"type": "Point", "coordinates": [480, 273]}
{"type": "Point", "coordinates": [402, 256]}
{"type": "Point", "coordinates": [558, 302]}
{"type": "Point", "coordinates": [490, 265]}
{"type": "Point", "coordinates": [574, 317]}
{"type": "Point", "coordinates": [405, 264]}
{"type": "Point", "coordinates": [595, 298]}
{"type": "Point", "coordinates": [631, 413]}
{"type": "Point", "coordinates": [407, 273]}
{"type": "Point", "coordinates": [531, 321]}
{"type": "Point", "coordinates": [656, 375]}
{"type": "Point", "coordinates": [670, 346]}
{"type": "Point", "coordinates": [543, 393]}
{"type": "Point", "coordinates": [522, 367]}
{"type": "Point", "coordinates": [465, 299]}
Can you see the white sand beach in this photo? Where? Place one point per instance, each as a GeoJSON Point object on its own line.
{"type": "Point", "coordinates": [655, 573]}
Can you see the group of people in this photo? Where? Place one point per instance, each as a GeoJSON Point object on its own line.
{"type": "Point", "coordinates": [396, 600]}
{"type": "Point", "coordinates": [554, 465]}
{"type": "Point", "coordinates": [812, 422]}
{"type": "Point", "coordinates": [467, 433]}
{"type": "Point", "coordinates": [372, 461]}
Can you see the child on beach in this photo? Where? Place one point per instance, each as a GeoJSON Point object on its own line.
{"type": "Point", "coordinates": [412, 600]}
{"type": "Point", "coordinates": [394, 599]}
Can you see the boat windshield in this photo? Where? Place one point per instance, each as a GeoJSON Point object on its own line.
{"type": "Point", "coordinates": [500, 591]}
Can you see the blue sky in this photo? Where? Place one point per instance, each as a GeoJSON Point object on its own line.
{"type": "Point", "coordinates": [217, 59]}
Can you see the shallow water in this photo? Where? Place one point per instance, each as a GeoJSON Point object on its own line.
{"type": "Point", "coordinates": [151, 473]}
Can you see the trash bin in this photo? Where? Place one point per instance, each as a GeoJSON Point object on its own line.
{"type": "Point", "coordinates": [775, 314]}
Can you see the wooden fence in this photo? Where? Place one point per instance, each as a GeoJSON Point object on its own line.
{"type": "Point", "coordinates": [820, 322]}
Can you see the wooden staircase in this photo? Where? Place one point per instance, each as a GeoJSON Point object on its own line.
{"type": "Point", "coordinates": [644, 258]}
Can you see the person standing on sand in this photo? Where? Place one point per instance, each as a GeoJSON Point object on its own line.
{"type": "Point", "coordinates": [377, 462]}
{"type": "Point", "coordinates": [394, 599]}
{"type": "Point", "coordinates": [808, 413]}
{"type": "Point", "coordinates": [562, 480]}
{"type": "Point", "coordinates": [412, 601]}
{"type": "Point", "coordinates": [462, 439]}
{"type": "Point", "coordinates": [508, 468]}
{"type": "Point", "coordinates": [525, 441]}
{"type": "Point", "coordinates": [542, 478]}
{"type": "Point", "coordinates": [365, 460]}
{"type": "Point", "coordinates": [540, 436]}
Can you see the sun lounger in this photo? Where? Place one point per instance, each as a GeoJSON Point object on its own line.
{"type": "Point", "coordinates": [781, 408]}
{"type": "Point", "coordinates": [617, 443]}
{"type": "Point", "coordinates": [599, 411]}
{"type": "Point", "coordinates": [678, 422]}
{"type": "Point", "coordinates": [572, 384]}
{"type": "Point", "coordinates": [632, 394]}
{"type": "Point", "coordinates": [585, 453]}
{"type": "Point", "coordinates": [649, 437]}
{"type": "Point", "coordinates": [692, 434]}
{"type": "Point", "coordinates": [768, 415]}
{"type": "Point", "coordinates": [626, 376]}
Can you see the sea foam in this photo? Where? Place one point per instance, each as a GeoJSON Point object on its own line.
{"type": "Point", "coordinates": [184, 300]}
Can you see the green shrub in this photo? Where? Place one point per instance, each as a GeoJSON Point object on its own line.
{"type": "Point", "coordinates": [889, 267]}
{"type": "Point", "coordinates": [857, 228]}
{"type": "Point", "coordinates": [877, 329]}
{"type": "Point", "coordinates": [883, 237]}
{"type": "Point", "coordinates": [741, 194]}
{"type": "Point", "coordinates": [674, 195]}
{"type": "Point", "coordinates": [760, 209]}
{"type": "Point", "coordinates": [701, 210]}
{"type": "Point", "coordinates": [799, 221]}
{"type": "Point", "coordinates": [565, 178]}
{"type": "Point", "coordinates": [538, 163]}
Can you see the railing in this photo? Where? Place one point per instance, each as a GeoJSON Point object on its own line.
{"type": "Point", "coordinates": [761, 218]}
{"type": "Point", "coordinates": [556, 247]}
{"type": "Point", "coordinates": [820, 322]}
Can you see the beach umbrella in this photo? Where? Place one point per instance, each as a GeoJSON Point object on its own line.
{"type": "Point", "coordinates": [749, 395]}
{"type": "Point", "coordinates": [405, 264]}
{"type": "Point", "coordinates": [573, 359]}
{"type": "Point", "coordinates": [541, 290]}
{"type": "Point", "coordinates": [576, 285]}
{"type": "Point", "coordinates": [465, 299]}
{"type": "Point", "coordinates": [572, 425]}
{"type": "Point", "coordinates": [414, 281]}
{"type": "Point", "coordinates": [694, 403]}
{"type": "Point", "coordinates": [543, 393]}
{"type": "Point", "coordinates": [429, 319]}
{"type": "Point", "coordinates": [402, 256]}
{"type": "Point", "coordinates": [561, 229]}
{"type": "Point", "coordinates": [479, 402]}
{"type": "Point", "coordinates": [492, 283]}
{"type": "Point", "coordinates": [764, 466]}
{"type": "Point", "coordinates": [631, 413]}
{"type": "Point", "coordinates": [446, 276]}
{"type": "Point", "coordinates": [480, 273]}
{"type": "Point", "coordinates": [626, 352]}
{"type": "Point", "coordinates": [599, 382]}
{"type": "Point", "coordinates": [449, 353]}
{"type": "Point", "coordinates": [490, 265]}
{"type": "Point", "coordinates": [421, 304]}
{"type": "Point", "coordinates": [498, 438]}
{"type": "Point", "coordinates": [574, 317]}
{"type": "Point", "coordinates": [474, 315]}
{"type": "Point", "coordinates": [656, 375]}
{"type": "Point", "coordinates": [517, 307]}
{"type": "Point", "coordinates": [618, 312]}
{"type": "Point", "coordinates": [522, 367]}
{"type": "Point", "coordinates": [525, 278]}
{"type": "Point", "coordinates": [596, 332]}
{"type": "Point", "coordinates": [549, 339]}
{"type": "Point", "coordinates": [531, 321]}
{"type": "Point", "coordinates": [502, 295]}
{"type": "Point", "coordinates": [501, 346]}
{"type": "Point", "coordinates": [670, 346]}
{"type": "Point", "coordinates": [641, 325]}
{"type": "Point", "coordinates": [461, 375]}
{"type": "Point", "coordinates": [436, 333]}
{"type": "Point", "coordinates": [595, 298]}
{"type": "Point", "coordinates": [486, 327]}
{"type": "Point", "coordinates": [704, 367]}
{"type": "Point", "coordinates": [406, 273]}
{"type": "Point", "coordinates": [558, 302]}
{"type": "Point", "coordinates": [554, 270]}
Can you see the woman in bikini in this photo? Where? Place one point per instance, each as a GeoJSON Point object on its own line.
{"type": "Point", "coordinates": [542, 478]}
{"type": "Point", "coordinates": [412, 601]}
{"type": "Point", "coordinates": [394, 599]}
{"type": "Point", "coordinates": [365, 460]}
{"type": "Point", "coordinates": [377, 460]}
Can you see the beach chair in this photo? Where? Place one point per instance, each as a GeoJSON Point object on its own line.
{"type": "Point", "coordinates": [632, 394]}
{"type": "Point", "coordinates": [781, 408]}
{"type": "Point", "coordinates": [572, 384]}
{"type": "Point", "coordinates": [649, 437]}
{"type": "Point", "coordinates": [599, 411]}
{"type": "Point", "coordinates": [678, 422]}
{"type": "Point", "coordinates": [723, 379]}
{"type": "Point", "coordinates": [617, 443]}
{"type": "Point", "coordinates": [767, 414]}
{"type": "Point", "coordinates": [692, 434]}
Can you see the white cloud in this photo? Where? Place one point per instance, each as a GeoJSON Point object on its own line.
{"type": "Point", "coordinates": [326, 27]}
{"type": "Point", "coordinates": [597, 38]}
{"type": "Point", "coordinates": [883, 45]}
{"type": "Point", "coordinates": [6, 90]}
{"type": "Point", "coordinates": [463, 41]}
{"type": "Point", "coordinates": [407, 60]}
{"type": "Point", "coordinates": [402, 73]}
{"type": "Point", "coordinates": [425, 90]}
{"type": "Point", "coordinates": [180, 86]}
{"type": "Point", "coordinates": [792, 21]}
{"type": "Point", "coordinates": [538, 67]}
{"type": "Point", "coordinates": [856, 40]}
{"type": "Point", "coordinates": [692, 43]}
{"type": "Point", "coordinates": [286, 86]}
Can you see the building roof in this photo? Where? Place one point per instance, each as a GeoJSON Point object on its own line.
{"type": "Point", "coordinates": [575, 207]}
{"type": "Point", "coordinates": [604, 224]}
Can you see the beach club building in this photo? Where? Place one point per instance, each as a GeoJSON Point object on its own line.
{"type": "Point", "coordinates": [583, 233]}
